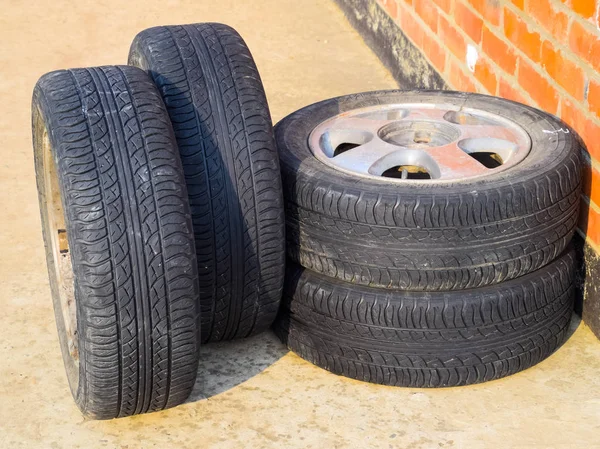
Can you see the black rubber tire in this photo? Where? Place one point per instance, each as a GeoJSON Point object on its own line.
{"type": "Point", "coordinates": [130, 239]}
{"type": "Point", "coordinates": [219, 111]}
{"type": "Point", "coordinates": [434, 236]}
{"type": "Point", "coordinates": [427, 339]}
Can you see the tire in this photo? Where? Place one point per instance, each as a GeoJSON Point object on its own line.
{"type": "Point", "coordinates": [430, 235]}
{"type": "Point", "coordinates": [427, 339]}
{"type": "Point", "coordinates": [124, 281]}
{"type": "Point", "coordinates": [216, 101]}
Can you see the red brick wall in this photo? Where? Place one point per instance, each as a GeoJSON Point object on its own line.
{"type": "Point", "coordinates": [545, 53]}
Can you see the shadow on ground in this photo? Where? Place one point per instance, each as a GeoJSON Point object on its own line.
{"type": "Point", "coordinates": [228, 364]}
{"type": "Point", "coordinates": [573, 326]}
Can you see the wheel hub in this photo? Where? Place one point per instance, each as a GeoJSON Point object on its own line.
{"type": "Point", "coordinates": [417, 142]}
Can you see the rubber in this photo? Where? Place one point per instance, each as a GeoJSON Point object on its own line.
{"type": "Point", "coordinates": [427, 339]}
{"type": "Point", "coordinates": [430, 236]}
{"type": "Point", "coordinates": [216, 101]}
{"type": "Point", "coordinates": [130, 238]}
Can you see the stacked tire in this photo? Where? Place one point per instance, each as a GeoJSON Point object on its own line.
{"type": "Point", "coordinates": [428, 236]}
{"type": "Point", "coordinates": [162, 213]}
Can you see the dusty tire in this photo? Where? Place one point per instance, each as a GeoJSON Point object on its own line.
{"type": "Point", "coordinates": [430, 235]}
{"type": "Point", "coordinates": [119, 240]}
{"type": "Point", "coordinates": [427, 339]}
{"type": "Point", "coordinates": [216, 101]}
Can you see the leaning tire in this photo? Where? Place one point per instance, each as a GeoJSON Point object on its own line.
{"type": "Point", "coordinates": [119, 240]}
{"type": "Point", "coordinates": [219, 111]}
{"type": "Point", "coordinates": [427, 339]}
{"type": "Point", "coordinates": [428, 235]}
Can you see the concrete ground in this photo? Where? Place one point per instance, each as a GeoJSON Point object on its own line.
{"type": "Point", "coordinates": [253, 393]}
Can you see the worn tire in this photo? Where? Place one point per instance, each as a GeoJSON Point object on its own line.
{"type": "Point", "coordinates": [427, 339]}
{"type": "Point", "coordinates": [216, 101]}
{"type": "Point", "coordinates": [130, 265]}
{"type": "Point", "coordinates": [430, 236]}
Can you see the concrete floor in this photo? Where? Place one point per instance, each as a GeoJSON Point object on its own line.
{"type": "Point", "coordinates": [249, 394]}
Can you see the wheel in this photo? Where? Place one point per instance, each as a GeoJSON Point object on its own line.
{"type": "Point", "coordinates": [119, 240]}
{"type": "Point", "coordinates": [212, 90]}
{"type": "Point", "coordinates": [427, 339]}
{"type": "Point", "coordinates": [427, 190]}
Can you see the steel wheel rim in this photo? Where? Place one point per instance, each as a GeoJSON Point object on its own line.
{"type": "Point", "coordinates": [420, 143]}
{"type": "Point", "coordinates": [57, 232]}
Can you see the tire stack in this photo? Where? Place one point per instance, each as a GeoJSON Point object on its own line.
{"type": "Point", "coordinates": [443, 279]}
{"type": "Point", "coordinates": [427, 233]}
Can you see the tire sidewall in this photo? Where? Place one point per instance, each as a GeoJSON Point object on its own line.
{"type": "Point", "coordinates": [75, 376]}
{"type": "Point", "coordinates": [553, 144]}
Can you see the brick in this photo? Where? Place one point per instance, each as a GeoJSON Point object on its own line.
{"type": "Point", "coordinates": [538, 87]}
{"type": "Point", "coordinates": [588, 129]}
{"type": "Point", "coordinates": [411, 28]}
{"type": "Point", "coordinates": [452, 38]}
{"type": "Point", "coordinates": [555, 22]}
{"type": "Point", "coordinates": [565, 72]}
{"type": "Point", "coordinates": [499, 51]}
{"type": "Point", "coordinates": [518, 3]}
{"type": "Point", "coordinates": [507, 89]}
{"type": "Point", "coordinates": [594, 98]}
{"type": "Point", "coordinates": [391, 7]}
{"type": "Point", "coordinates": [459, 80]}
{"type": "Point", "coordinates": [591, 182]}
{"type": "Point", "coordinates": [434, 52]}
{"type": "Point", "coordinates": [489, 9]}
{"type": "Point", "coordinates": [468, 21]}
{"type": "Point", "coordinates": [486, 75]}
{"type": "Point", "coordinates": [444, 5]}
{"type": "Point", "coordinates": [517, 31]}
{"type": "Point", "coordinates": [586, 44]}
{"type": "Point", "coordinates": [428, 12]}
{"type": "Point", "coordinates": [585, 8]}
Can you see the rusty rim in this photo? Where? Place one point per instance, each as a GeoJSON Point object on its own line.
{"type": "Point", "coordinates": [57, 230]}
{"type": "Point", "coordinates": [419, 143]}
